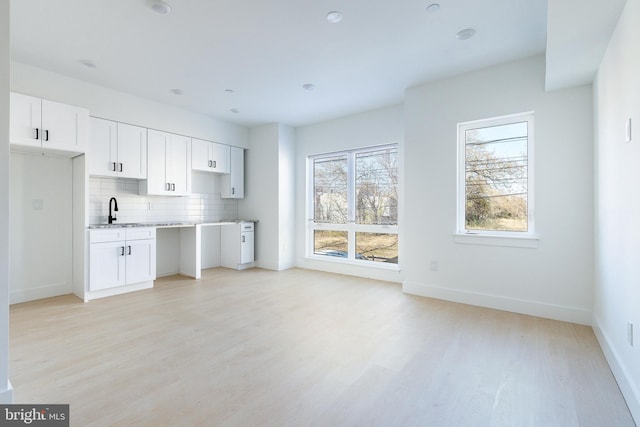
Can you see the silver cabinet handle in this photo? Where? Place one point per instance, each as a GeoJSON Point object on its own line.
{"type": "Point", "coordinates": [210, 163]}
{"type": "Point", "coordinates": [168, 187]}
{"type": "Point", "coordinates": [173, 187]}
{"type": "Point", "coordinates": [214, 164]}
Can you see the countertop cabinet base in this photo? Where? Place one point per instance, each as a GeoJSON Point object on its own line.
{"type": "Point", "coordinates": [238, 243]}
{"type": "Point", "coordinates": [121, 260]}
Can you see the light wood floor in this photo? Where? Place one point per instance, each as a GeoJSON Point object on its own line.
{"type": "Point", "coordinates": [297, 348]}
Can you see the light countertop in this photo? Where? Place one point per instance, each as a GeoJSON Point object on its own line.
{"type": "Point", "coordinates": [170, 224]}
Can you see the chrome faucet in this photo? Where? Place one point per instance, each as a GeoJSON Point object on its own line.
{"type": "Point", "coordinates": [115, 209]}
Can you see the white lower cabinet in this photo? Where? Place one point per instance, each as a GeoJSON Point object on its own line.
{"type": "Point", "coordinates": [237, 242]}
{"type": "Point", "coordinates": [121, 256]}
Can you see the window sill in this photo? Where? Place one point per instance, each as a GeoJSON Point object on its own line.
{"type": "Point", "coordinates": [530, 242]}
{"type": "Point", "coordinates": [338, 260]}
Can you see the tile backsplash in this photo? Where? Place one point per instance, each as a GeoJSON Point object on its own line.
{"type": "Point", "coordinates": [135, 208]}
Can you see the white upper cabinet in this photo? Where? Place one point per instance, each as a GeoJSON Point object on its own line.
{"type": "Point", "coordinates": [117, 149]}
{"type": "Point", "coordinates": [168, 164]}
{"type": "Point", "coordinates": [42, 125]}
{"type": "Point", "coordinates": [233, 183]}
{"type": "Point", "coordinates": [209, 156]}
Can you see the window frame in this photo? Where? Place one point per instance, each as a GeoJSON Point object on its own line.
{"type": "Point", "coordinates": [496, 237]}
{"type": "Point", "coordinates": [351, 227]}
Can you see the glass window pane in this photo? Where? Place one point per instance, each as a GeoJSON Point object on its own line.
{"type": "Point", "coordinates": [378, 247]}
{"type": "Point", "coordinates": [377, 187]}
{"type": "Point", "coordinates": [496, 177]}
{"type": "Point", "coordinates": [330, 243]}
{"type": "Point", "coordinates": [330, 189]}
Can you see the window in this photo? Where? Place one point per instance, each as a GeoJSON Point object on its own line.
{"type": "Point", "coordinates": [495, 179]}
{"type": "Point", "coordinates": [353, 201]}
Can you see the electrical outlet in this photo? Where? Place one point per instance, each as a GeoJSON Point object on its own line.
{"type": "Point", "coordinates": [433, 266]}
{"type": "Point", "coordinates": [37, 204]}
{"type": "Point", "coordinates": [630, 333]}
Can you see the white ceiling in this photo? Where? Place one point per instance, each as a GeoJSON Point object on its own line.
{"type": "Point", "coordinates": [266, 50]}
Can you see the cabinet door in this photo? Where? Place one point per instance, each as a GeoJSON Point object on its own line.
{"type": "Point", "coordinates": [132, 151]}
{"type": "Point", "coordinates": [200, 158]}
{"type": "Point", "coordinates": [233, 184]}
{"type": "Point", "coordinates": [65, 126]}
{"type": "Point", "coordinates": [102, 157]}
{"type": "Point", "coordinates": [179, 165]}
{"type": "Point", "coordinates": [106, 265]}
{"type": "Point", "coordinates": [220, 157]}
{"type": "Point", "coordinates": [140, 260]}
{"type": "Point", "coordinates": [156, 162]}
{"type": "Point", "coordinates": [246, 247]}
{"type": "Point", "coordinates": [26, 117]}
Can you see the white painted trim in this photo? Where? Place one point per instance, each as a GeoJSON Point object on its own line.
{"type": "Point", "coordinates": [6, 395]}
{"type": "Point", "coordinates": [117, 291]}
{"type": "Point", "coordinates": [630, 390]}
{"type": "Point", "coordinates": [351, 270]}
{"type": "Point", "coordinates": [530, 242]}
{"type": "Point", "coordinates": [515, 305]}
{"type": "Point", "coordinates": [269, 265]}
{"type": "Point", "coordinates": [47, 291]}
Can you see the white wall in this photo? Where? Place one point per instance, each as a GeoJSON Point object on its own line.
{"type": "Point", "coordinates": [41, 226]}
{"type": "Point", "coordinates": [261, 192]}
{"type": "Point", "coordinates": [122, 107]}
{"type": "Point", "coordinates": [203, 204]}
{"type": "Point", "coordinates": [268, 194]}
{"type": "Point", "coordinates": [617, 293]}
{"type": "Point", "coordinates": [376, 127]}
{"type": "Point", "coordinates": [6, 394]}
{"type": "Point", "coordinates": [554, 280]}
{"type": "Point", "coordinates": [287, 197]}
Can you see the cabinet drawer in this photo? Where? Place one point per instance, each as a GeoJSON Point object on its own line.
{"type": "Point", "coordinates": [141, 233]}
{"type": "Point", "coordinates": [108, 235]}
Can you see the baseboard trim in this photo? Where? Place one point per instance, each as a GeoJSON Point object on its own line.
{"type": "Point", "coordinates": [515, 305]}
{"type": "Point", "coordinates": [274, 265]}
{"type": "Point", "coordinates": [630, 390]}
{"type": "Point", "coordinates": [88, 296]}
{"type": "Point", "coordinates": [47, 291]}
{"type": "Point", "coordinates": [6, 396]}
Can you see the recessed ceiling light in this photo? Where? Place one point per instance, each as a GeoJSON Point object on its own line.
{"type": "Point", "coordinates": [161, 7]}
{"type": "Point", "coordinates": [308, 86]}
{"type": "Point", "coordinates": [177, 91]}
{"type": "Point", "coordinates": [228, 90]}
{"type": "Point", "coordinates": [433, 7]}
{"type": "Point", "coordinates": [465, 34]}
{"type": "Point", "coordinates": [88, 63]}
{"type": "Point", "coordinates": [234, 110]}
{"type": "Point", "coordinates": [334, 17]}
